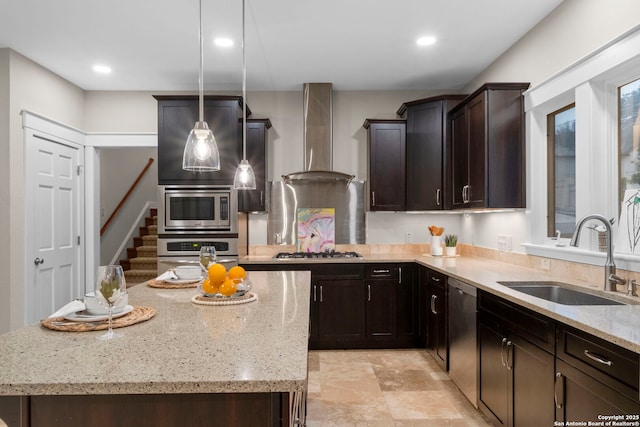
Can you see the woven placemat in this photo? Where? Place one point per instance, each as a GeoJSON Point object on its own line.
{"type": "Point", "coordinates": [137, 315]}
{"type": "Point", "coordinates": [171, 285]}
{"type": "Point", "coordinates": [204, 300]}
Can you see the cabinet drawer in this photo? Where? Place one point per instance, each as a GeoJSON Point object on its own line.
{"type": "Point", "coordinates": [382, 271]}
{"type": "Point", "coordinates": [437, 279]}
{"type": "Point", "coordinates": [594, 355]}
{"type": "Point", "coordinates": [340, 271]}
{"type": "Point", "coordinates": [534, 327]}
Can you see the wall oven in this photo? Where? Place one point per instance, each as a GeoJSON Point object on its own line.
{"type": "Point", "coordinates": [185, 249]}
{"type": "Point", "coordinates": [198, 209]}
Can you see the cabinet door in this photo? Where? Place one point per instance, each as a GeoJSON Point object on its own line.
{"type": "Point", "coordinates": [381, 309]}
{"type": "Point", "coordinates": [341, 311]}
{"type": "Point", "coordinates": [176, 118]}
{"type": "Point", "coordinates": [493, 386]}
{"type": "Point", "coordinates": [581, 397]}
{"type": "Point", "coordinates": [387, 160]}
{"type": "Point", "coordinates": [438, 320]}
{"type": "Point", "coordinates": [424, 156]}
{"type": "Point", "coordinates": [424, 299]}
{"type": "Point", "coordinates": [458, 161]}
{"type": "Point", "coordinates": [407, 305]}
{"type": "Point", "coordinates": [476, 130]}
{"type": "Point", "coordinates": [532, 371]}
{"type": "Point", "coordinates": [255, 200]}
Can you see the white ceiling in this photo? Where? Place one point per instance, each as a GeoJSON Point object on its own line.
{"type": "Point", "coordinates": [355, 44]}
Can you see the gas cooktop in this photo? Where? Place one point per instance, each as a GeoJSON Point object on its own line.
{"type": "Point", "coordinates": [328, 254]}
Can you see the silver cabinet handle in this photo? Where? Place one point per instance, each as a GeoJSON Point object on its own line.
{"type": "Point", "coordinates": [509, 355]}
{"type": "Point", "coordinates": [38, 261]}
{"type": "Point", "coordinates": [504, 341]}
{"type": "Point", "coordinates": [386, 271]}
{"type": "Point", "coordinates": [558, 397]}
{"type": "Point", "coordinates": [399, 275]}
{"type": "Point", "coordinates": [438, 197]}
{"type": "Point", "coordinates": [262, 198]}
{"type": "Point", "coordinates": [321, 293]}
{"type": "Point", "coordinates": [373, 198]}
{"type": "Point", "coordinates": [314, 294]}
{"type": "Point", "coordinates": [596, 357]}
{"type": "Point", "coordinates": [369, 292]}
{"type": "Point", "coordinates": [433, 304]}
{"type": "Point", "coordinates": [435, 279]}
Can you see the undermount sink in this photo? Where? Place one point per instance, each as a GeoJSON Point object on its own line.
{"type": "Point", "coordinates": [558, 293]}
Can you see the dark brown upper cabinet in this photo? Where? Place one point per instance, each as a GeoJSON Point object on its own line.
{"type": "Point", "coordinates": [257, 139]}
{"type": "Point", "coordinates": [177, 116]}
{"type": "Point", "coordinates": [486, 166]}
{"type": "Point", "coordinates": [426, 155]}
{"type": "Point", "coordinates": [387, 164]}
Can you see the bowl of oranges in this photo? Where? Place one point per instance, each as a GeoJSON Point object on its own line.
{"type": "Point", "coordinates": [221, 283]}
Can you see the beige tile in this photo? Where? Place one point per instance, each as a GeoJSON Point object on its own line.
{"type": "Point", "coordinates": [420, 405]}
{"type": "Point", "coordinates": [397, 379]}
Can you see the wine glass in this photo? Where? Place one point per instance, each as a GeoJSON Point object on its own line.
{"type": "Point", "coordinates": [207, 257]}
{"type": "Point", "coordinates": [111, 287]}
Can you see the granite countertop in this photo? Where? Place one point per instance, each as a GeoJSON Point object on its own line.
{"type": "Point", "coordinates": [614, 323]}
{"type": "Point", "coordinates": [259, 346]}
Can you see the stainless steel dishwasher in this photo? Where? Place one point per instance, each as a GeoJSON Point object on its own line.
{"type": "Point", "coordinates": [463, 360]}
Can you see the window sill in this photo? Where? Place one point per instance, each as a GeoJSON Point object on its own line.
{"type": "Point", "coordinates": [572, 254]}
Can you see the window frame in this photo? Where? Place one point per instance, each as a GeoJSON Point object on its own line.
{"type": "Point", "coordinates": [592, 84]}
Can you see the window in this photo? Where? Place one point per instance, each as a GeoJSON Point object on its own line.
{"type": "Point", "coordinates": [561, 170]}
{"type": "Point", "coordinates": [629, 136]}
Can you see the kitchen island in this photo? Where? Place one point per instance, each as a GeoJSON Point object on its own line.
{"type": "Point", "coordinates": [190, 364]}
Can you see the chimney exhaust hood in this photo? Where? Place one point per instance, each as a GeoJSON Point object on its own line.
{"type": "Point", "coordinates": [317, 112]}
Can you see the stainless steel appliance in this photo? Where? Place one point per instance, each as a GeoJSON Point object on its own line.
{"type": "Point", "coordinates": [312, 255]}
{"type": "Point", "coordinates": [318, 186]}
{"type": "Point", "coordinates": [192, 216]}
{"type": "Point", "coordinates": [463, 360]}
{"type": "Point", "coordinates": [197, 209]}
{"type": "Point", "coordinates": [185, 249]}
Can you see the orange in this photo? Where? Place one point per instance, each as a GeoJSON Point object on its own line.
{"type": "Point", "coordinates": [217, 274]}
{"type": "Point", "coordinates": [237, 272]}
{"type": "Point", "coordinates": [208, 287]}
{"type": "Point", "coordinates": [228, 287]}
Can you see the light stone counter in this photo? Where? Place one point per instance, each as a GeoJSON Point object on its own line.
{"type": "Point", "coordinates": [259, 346]}
{"type": "Point", "coordinates": [619, 324]}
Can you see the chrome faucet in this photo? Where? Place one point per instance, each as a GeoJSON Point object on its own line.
{"type": "Point", "coordinates": [610, 278]}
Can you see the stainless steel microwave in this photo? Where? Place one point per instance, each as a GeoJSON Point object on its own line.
{"type": "Point", "coordinates": [196, 209]}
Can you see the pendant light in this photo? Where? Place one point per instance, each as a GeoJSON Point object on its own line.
{"type": "Point", "coordinates": [201, 150]}
{"type": "Point", "coordinates": [244, 178]}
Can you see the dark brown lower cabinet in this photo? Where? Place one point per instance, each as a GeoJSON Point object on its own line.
{"type": "Point", "coordinates": [149, 410]}
{"type": "Point", "coordinates": [341, 312]}
{"type": "Point", "coordinates": [594, 378]}
{"type": "Point", "coordinates": [434, 306]}
{"type": "Point", "coordinates": [516, 377]}
{"type": "Point", "coordinates": [381, 309]}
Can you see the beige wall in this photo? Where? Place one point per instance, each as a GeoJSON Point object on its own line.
{"type": "Point", "coordinates": [33, 88]}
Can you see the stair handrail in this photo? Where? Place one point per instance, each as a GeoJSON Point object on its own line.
{"type": "Point", "coordinates": [126, 196]}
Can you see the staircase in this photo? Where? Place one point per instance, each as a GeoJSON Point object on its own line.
{"type": "Point", "coordinates": [142, 260]}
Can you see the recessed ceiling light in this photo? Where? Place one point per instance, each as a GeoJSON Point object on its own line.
{"type": "Point", "coordinates": [102, 69]}
{"type": "Point", "coordinates": [426, 41]}
{"type": "Point", "coordinates": [223, 42]}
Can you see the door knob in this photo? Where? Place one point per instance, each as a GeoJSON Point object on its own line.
{"type": "Point", "coordinates": [38, 261]}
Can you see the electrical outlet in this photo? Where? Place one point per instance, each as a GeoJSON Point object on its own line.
{"type": "Point", "coordinates": [407, 237]}
{"type": "Point", "coordinates": [545, 264]}
{"type": "Point", "coordinates": [504, 242]}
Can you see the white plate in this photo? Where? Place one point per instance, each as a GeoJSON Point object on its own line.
{"type": "Point", "coordinates": [83, 316]}
{"type": "Point", "coordinates": [183, 281]}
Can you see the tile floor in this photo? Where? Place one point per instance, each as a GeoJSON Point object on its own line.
{"type": "Point", "coordinates": [381, 388]}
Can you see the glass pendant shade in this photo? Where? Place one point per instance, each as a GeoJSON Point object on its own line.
{"type": "Point", "coordinates": [244, 179]}
{"type": "Point", "coordinates": [201, 150]}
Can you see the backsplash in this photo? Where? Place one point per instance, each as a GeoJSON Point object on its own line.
{"type": "Point", "coordinates": [592, 275]}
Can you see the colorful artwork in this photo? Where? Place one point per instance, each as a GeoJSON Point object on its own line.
{"type": "Point", "coordinates": [316, 229]}
{"type": "Point", "coordinates": [628, 240]}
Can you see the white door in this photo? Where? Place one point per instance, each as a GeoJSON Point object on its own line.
{"type": "Point", "coordinates": [53, 198]}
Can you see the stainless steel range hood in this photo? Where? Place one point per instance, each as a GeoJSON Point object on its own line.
{"type": "Point", "coordinates": [317, 111]}
{"type": "Point", "coordinates": [318, 185]}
